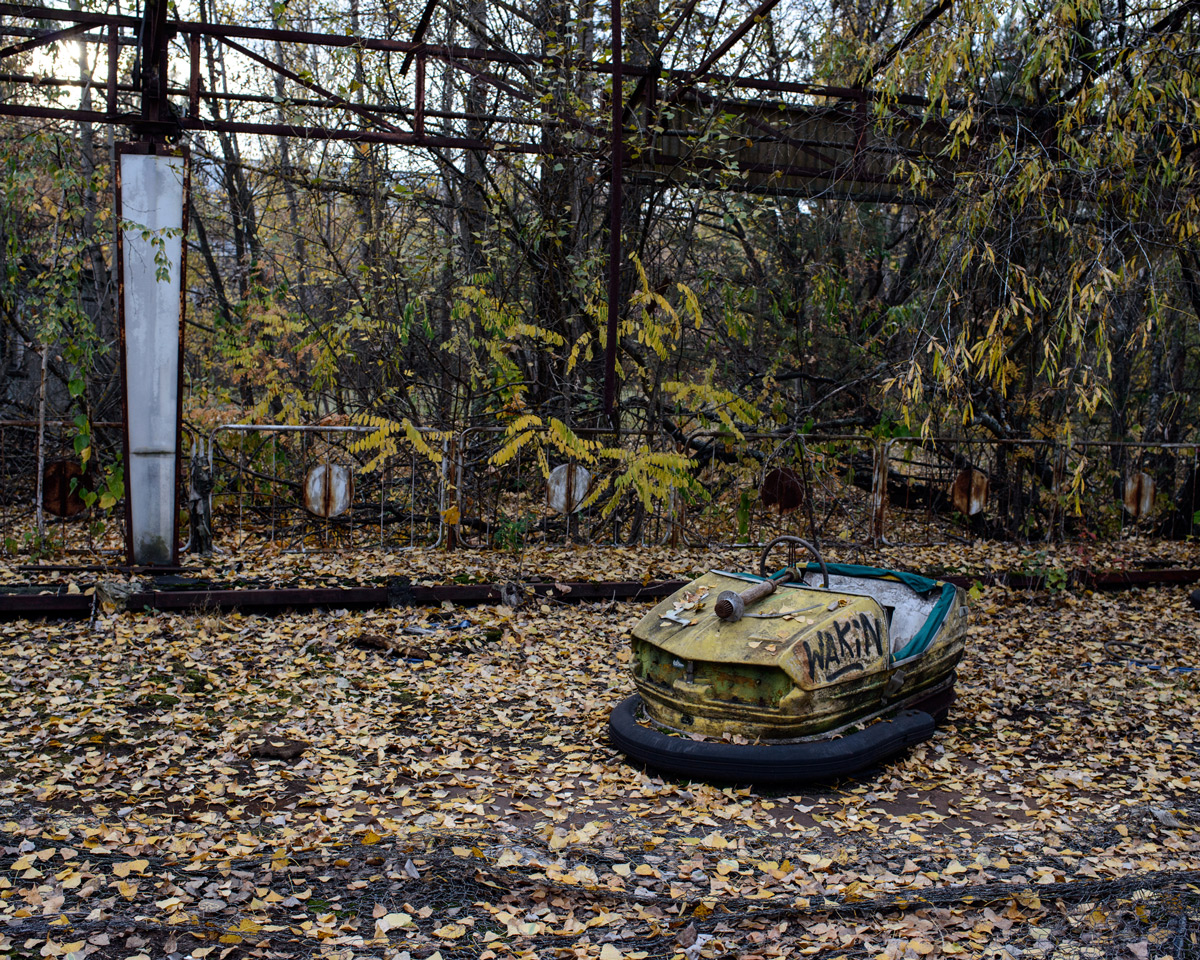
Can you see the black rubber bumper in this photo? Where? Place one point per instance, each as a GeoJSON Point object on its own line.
{"type": "Point", "coordinates": [812, 761]}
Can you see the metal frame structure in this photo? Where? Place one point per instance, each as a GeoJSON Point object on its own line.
{"type": "Point", "coordinates": [813, 163]}
{"type": "Point", "coordinates": [824, 166]}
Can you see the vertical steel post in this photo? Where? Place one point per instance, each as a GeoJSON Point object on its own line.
{"type": "Point", "coordinates": [614, 228]}
{"type": "Point", "coordinates": [879, 492]}
{"type": "Point", "coordinates": [114, 33]}
{"type": "Point", "coordinates": [194, 75]}
{"type": "Point", "coordinates": [419, 98]}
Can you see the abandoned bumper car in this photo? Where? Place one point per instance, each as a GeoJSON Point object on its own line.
{"type": "Point", "coordinates": [805, 675]}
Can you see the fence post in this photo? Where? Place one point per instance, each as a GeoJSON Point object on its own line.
{"type": "Point", "coordinates": [879, 494]}
{"type": "Point", "coordinates": [451, 512]}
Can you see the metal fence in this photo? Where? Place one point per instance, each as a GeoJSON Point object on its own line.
{"type": "Point", "coordinates": [60, 487]}
{"type": "Point", "coordinates": [738, 490]}
{"type": "Point", "coordinates": [1036, 490]}
{"type": "Point", "coordinates": [320, 487]}
{"type": "Point", "coordinates": [306, 488]}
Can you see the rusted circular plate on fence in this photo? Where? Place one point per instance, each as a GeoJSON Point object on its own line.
{"type": "Point", "coordinates": [970, 492]}
{"type": "Point", "coordinates": [328, 490]}
{"type": "Point", "coordinates": [58, 497]}
{"type": "Point", "coordinates": [782, 487]}
{"type": "Point", "coordinates": [567, 487]}
{"type": "Point", "coordinates": [1139, 494]}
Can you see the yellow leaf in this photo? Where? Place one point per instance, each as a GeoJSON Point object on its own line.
{"type": "Point", "coordinates": [609, 952]}
{"type": "Point", "coordinates": [451, 931]}
{"type": "Point", "coordinates": [391, 921]}
{"type": "Point", "coordinates": [130, 866]}
{"type": "Point", "coordinates": [248, 926]}
{"type": "Point", "coordinates": [370, 838]}
{"type": "Point", "coordinates": [128, 890]}
{"type": "Point", "coordinates": [230, 938]}
{"type": "Point", "coordinates": [451, 515]}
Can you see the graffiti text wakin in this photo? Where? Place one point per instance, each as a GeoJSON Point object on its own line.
{"type": "Point", "coordinates": [842, 649]}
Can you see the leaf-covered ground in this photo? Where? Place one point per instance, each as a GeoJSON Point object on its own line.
{"type": "Point", "coordinates": [430, 782]}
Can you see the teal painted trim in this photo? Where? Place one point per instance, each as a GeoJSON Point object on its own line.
{"type": "Point", "coordinates": [914, 581]}
{"type": "Point", "coordinates": [920, 584]}
{"type": "Point", "coordinates": [924, 637]}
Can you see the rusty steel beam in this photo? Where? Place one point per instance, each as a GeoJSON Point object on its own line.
{"type": "Point", "coordinates": [32, 80]}
{"type": "Point", "coordinates": [156, 571]}
{"type": "Point", "coordinates": [755, 18]}
{"type": "Point", "coordinates": [444, 51]}
{"type": "Point", "coordinates": [151, 71]}
{"type": "Point", "coordinates": [26, 605]}
{"type": "Point", "coordinates": [397, 594]}
{"type": "Point", "coordinates": [418, 35]}
{"type": "Point", "coordinates": [44, 39]}
{"type": "Point", "coordinates": [23, 606]}
{"type": "Point", "coordinates": [914, 31]}
{"type": "Point", "coordinates": [403, 594]}
{"type": "Point", "coordinates": [365, 136]}
{"type": "Point", "coordinates": [309, 85]}
{"type": "Point", "coordinates": [390, 110]}
{"type": "Point", "coordinates": [1084, 579]}
{"type": "Point", "coordinates": [60, 113]}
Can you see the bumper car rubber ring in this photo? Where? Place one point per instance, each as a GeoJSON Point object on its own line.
{"type": "Point", "coordinates": [810, 761]}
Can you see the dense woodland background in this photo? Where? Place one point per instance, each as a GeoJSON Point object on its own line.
{"type": "Point", "coordinates": [1045, 283]}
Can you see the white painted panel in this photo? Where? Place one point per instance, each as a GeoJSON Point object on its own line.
{"type": "Point", "coordinates": [151, 485]}
{"type": "Point", "coordinates": [152, 249]}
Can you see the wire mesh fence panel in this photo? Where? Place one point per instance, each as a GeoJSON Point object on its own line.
{"type": "Point", "coordinates": [74, 518]}
{"type": "Point", "coordinates": [316, 487]}
{"type": "Point", "coordinates": [737, 490]}
{"type": "Point", "coordinates": [1128, 488]}
{"type": "Point", "coordinates": [510, 501]}
{"type": "Point", "coordinates": [765, 485]}
{"type": "Point", "coordinates": [946, 488]}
